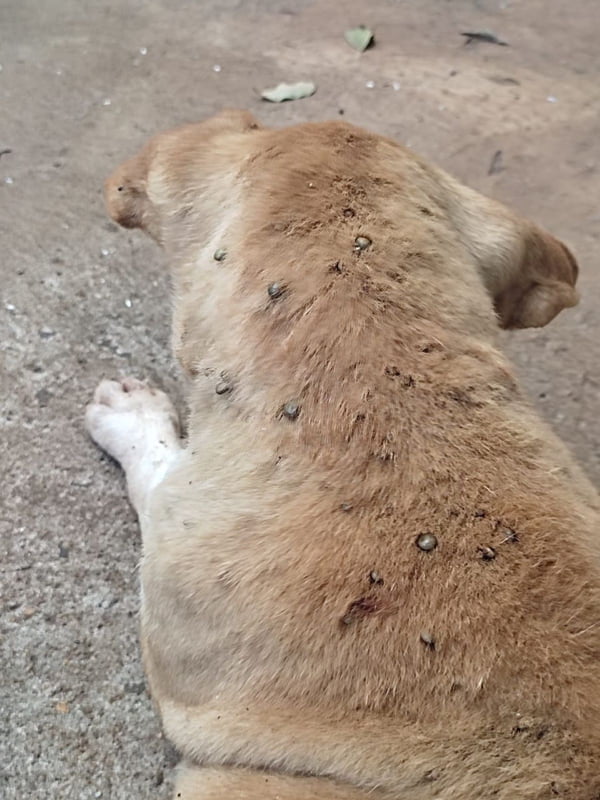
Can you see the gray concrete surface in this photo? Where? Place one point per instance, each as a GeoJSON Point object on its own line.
{"type": "Point", "coordinates": [81, 87]}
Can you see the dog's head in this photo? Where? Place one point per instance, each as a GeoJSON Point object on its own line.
{"type": "Point", "coordinates": [529, 274]}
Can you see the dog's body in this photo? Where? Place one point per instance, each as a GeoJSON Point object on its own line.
{"type": "Point", "coordinates": [347, 397]}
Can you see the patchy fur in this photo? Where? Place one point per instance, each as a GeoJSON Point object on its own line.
{"type": "Point", "coordinates": [298, 642]}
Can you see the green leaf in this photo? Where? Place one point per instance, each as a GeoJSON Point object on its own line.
{"type": "Point", "coordinates": [289, 91]}
{"type": "Point", "coordinates": [360, 38]}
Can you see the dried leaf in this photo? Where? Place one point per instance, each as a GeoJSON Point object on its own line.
{"type": "Point", "coordinates": [360, 38]}
{"type": "Point", "coordinates": [496, 164]}
{"type": "Point", "coordinates": [483, 36]}
{"type": "Point", "coordinates": [289, 91]}
{"type": "Point", "coordinates": [504, 80]}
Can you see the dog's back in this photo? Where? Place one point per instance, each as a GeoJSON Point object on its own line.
{"type": "Point", "coordinates": [373, 565]}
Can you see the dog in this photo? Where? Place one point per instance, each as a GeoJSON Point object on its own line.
{"type": "Point", "coordinates": [371, 571]}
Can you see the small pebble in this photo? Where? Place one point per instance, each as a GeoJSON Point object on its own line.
{"type": "Point", "coordinates": [143, 51]}
{"type": "Point", "coordinates": [487, 553]}
{"type": "Point", "coordinates": [104, 252]}
{"type": "Point", "coordinates": [46, 333]}
{"type": "Point", "coordinates": [346, 506]}
{"type": "Point", "coordinates": [552, 99]}
{"type": "Point", "coordinates": [395, 86]}
{"type": "Point", "coordinates": [128, 303]}
{"type": "Point", "coordinates": [138, 687]}
{"type": "Point", "coordinates": [216, 68]}
{"type": "Point", "coordinates": [274, 290]}
{"type": "Point", "coordinates": [10, 307]}
{"type": "Point", "coordinates": [8, 180]}
{"type": "Point", "coordinates": [106, 101]}
{"type": "Point", "coordinates": [375, 577]}
{"type": "Point", "coordinates": [426, 542]}
{"type": "Point", "coordinates": [428, 640]}
{"type": "Point", "coordinates": [82, 483]}
{"type": "Point", "coordinates": [370, 84]}
{"type": "Point", "coordinates": [220, 254]}
{"type": "Point", "coordinates": [291, 409]}
{"type": "Point", "coordinates": [43, 397]}
{"type": "Point", "coordinates": [361, 243]}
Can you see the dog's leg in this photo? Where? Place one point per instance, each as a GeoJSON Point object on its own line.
{"type": "Point", "coordinates": [138, 426]}
{"type": "Point", "coordinates": [216, 783]}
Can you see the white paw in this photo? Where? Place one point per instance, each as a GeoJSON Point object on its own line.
{"type": "Point", "coordinates": [131, 420]}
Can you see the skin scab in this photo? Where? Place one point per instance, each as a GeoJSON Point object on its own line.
{"type": "Point", "coordinates": [404, 379]}
{"type": "Point", "coordinates": [359, 608]}
{"type": "Point", "coordinates": [431, 347]}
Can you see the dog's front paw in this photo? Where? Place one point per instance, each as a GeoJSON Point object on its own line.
{"type": "Point", "coordinates": [127, 418]}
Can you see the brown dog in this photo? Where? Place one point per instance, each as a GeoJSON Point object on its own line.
{"type": "Point", "coordinates": [372, 572]}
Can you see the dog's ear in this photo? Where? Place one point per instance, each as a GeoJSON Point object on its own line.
{"type": "Point", "coordinates": [529, 274]}
{"type": "Point", "coordinates": [141, 190]}
{"type": "Point", "coordinates": [126, 194]}
{"type": "Point", "coordinates": [542, 284]}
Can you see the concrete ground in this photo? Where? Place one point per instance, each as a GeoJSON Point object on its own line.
{"type": "Point", "coordinates": [83, 83]}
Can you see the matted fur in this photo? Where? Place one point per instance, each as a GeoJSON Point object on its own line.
{"type": "Point", "coordinates": [291, 626]}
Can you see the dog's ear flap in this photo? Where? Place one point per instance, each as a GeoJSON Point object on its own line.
{"type": "Point", "coordinates": [529, 274]}
{"type": "Point", "coordinates": [542, 284]}
{"type": "Point", "coordinates": [126, 197]}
